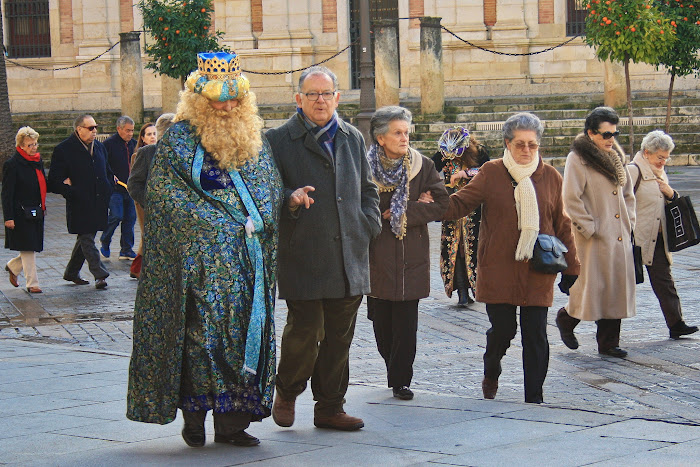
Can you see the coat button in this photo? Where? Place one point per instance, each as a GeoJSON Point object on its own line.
{"type": "Point", "coordinates": [617, 216]}
{"type": "Point", "coordinates": [614, 192]}
{"type": "Point", "coordinates": [336, 238]}
{"type": "Point", "coordinates": [619, 239]}
{"type": "Point", "coordinates": [578, 227]}
{"type": "Point", "coordinates": [340, 198]}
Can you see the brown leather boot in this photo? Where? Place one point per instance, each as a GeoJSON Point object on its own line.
{"type": "Point", "coordinates": [489, 387]}
{"type": "Point", "coordinates": [283, 411]}
{"type": "Point", "coordinates": [339, 421]}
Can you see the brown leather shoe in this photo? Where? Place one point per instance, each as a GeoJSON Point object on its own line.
{"type": "Point", "coordinates": [489, 387]}
{"type": "Point", "coordinates": [339, 421]}
{"type": "Point", "coordinates": [13, 277]}
{"type": "Point", "coordinates": [283, 411]}
{"type": "Point", "coordinates": [34, 290]}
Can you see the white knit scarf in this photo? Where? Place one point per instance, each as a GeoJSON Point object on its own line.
{"type": "Point", "coordinates": [525, 204]}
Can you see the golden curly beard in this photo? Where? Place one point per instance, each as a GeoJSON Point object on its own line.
{"type": "Point", "coordinates": [232, 138]}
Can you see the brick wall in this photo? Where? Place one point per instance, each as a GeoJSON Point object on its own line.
{"type": "Point", "coordinates": [546, 11]}
{"type": "Point", "coordinates": [489, 12]}
{"type": "Point", "coordinates": [415, 8]}
{"type": "Point", "coordinates": [126, 15]}
{"type": "Point", "coordinates": [330, 15]}
{"type": "Point", "coordinates": [256, 15]}
{"type": "Point", "coordinates": [65, 11]}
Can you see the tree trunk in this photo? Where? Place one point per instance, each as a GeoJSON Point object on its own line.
{"type": "Point", "coordinates": [7, 140]}
{"type": "Point", "coordinates": [629, 103]}
{"type": "Point", "coordinates": [667, 126]}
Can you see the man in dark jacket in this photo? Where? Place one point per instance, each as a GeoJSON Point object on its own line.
{"type": "Point", "coordinates": [120, 146]}
{"type": "Point", "coordinates": [330, 214]}
{"type": "Point", "coordinates": [79, 172]}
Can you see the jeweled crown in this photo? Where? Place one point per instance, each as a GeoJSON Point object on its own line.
{"type": "Point", "coordinates": [219, 65]}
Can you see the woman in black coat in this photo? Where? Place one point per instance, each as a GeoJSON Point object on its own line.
{"type": "Point", "coordinates": [23, 205]}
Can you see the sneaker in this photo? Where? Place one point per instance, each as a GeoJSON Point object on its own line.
{"type": "Point", "coordinates": [130, 255]}
{"type": "Point", "coordinates": [104, 251]}
{"type": "Point", "coordinates": [403, 393]}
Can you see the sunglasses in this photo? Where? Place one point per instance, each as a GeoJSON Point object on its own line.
{"type": "Point", "coordinates": [90, 128]}
{"type": "Point", "coordinates": [608, 134]}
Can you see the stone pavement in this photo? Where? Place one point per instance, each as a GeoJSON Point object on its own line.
{"type": "Point", "coordinates": [64, 358]}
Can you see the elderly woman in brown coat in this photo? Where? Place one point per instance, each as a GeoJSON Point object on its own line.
{"type": "Point", "coordinates": [598, 197]}
{"type": "Point", "coordinates": [520, 198]}
{"type": "Point", "coordinates": [652, 192]}
{"type": "Point", "coordinates": [411, 194]}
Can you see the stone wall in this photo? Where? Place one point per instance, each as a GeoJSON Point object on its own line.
{"type": "Point", "coordinates": [296, 34]}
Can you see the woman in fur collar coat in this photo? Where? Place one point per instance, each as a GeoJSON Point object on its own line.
{"type": "Point", "coordinates": [598, 197]}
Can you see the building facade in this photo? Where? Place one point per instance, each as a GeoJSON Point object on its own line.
{"type": "Point", "coordinates": [283, 35]}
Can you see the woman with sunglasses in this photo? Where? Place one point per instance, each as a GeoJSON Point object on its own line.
{"type": "Point", "coordinates": [598, 196]}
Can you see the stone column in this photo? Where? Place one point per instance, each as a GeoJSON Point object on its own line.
{"type": "Point", "coordinates": [386, 62]}
{"type": "Point", "coordinates": [170, 93]}
{"type": "Point", "coordinates": [615, 86]}
{"type": "Point", "coordinates": [131, 75]}
{"type": "Point", "coordinates": [432, 80]}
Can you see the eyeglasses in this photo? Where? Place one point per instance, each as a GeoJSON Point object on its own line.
{"type": "Point", "coordinates": [313, 96]}
{"type": "Point", "coordinates": [90, 128]}
{"type": "Point", "coordinates": [520, 146]}
{"type": "Point", "coordinates": [608, 134]}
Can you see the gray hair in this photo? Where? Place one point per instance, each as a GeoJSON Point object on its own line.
{"type": "Point", "coordinates": [124, 120]}
{"type": "Point", "coordinates": [522, 121]}
{"type": "Point", "coordinates": [318, 70]}
{"type": "Point", "coordinates": [80, 120]}
{"type": "Point", "coordinates": [24, 133]}
{"type": "Point", "coordinates": [163, 123]}
{"type": "Point", "coordinates": [657, 140]}
{"type": "Point", "coordinates": [379, 123]}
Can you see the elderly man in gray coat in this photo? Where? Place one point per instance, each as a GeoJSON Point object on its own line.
{"type": "Point", "coordinates": [330, 215]}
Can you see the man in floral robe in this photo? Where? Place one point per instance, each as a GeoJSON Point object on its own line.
{"type": "Point", "coordinates": [204, 316]}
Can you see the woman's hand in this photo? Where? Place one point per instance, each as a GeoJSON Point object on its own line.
{"type": "Point", "coordinates": [67, 182]}
{"type": "Point", "coordinates": [665, 188]}
{"type": "Point", "coordinates": [300, 197]}
{"type": "Point", "coordinates": [386, 214]}
{"type": "Point", "coordinates": [426, 197]}
{"type": "Point", "coordinates": [456, 176]}
{"type": "Point", "coordinates": [10, 224]}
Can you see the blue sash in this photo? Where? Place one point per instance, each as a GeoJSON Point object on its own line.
{"type": "Point", "coordinates": [253, 226]}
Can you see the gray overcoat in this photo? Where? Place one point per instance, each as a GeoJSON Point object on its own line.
{"type": "Point", "coordinates": [321, 246]}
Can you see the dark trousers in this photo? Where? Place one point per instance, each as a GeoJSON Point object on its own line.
{"type": "Point", "coordinates": [395, 327]}
{"type": "Point", "coordinates": [85, 250]}
{"type": "Point", "coordinates": [662, 284]}
{"type": "Point", "coordinates": [533, 329]}
{"type": "Point", "coordinates": [316, 344]}
{"type": "Point", "coordinates": [226, 423]}
{"type": "Point", "coordinates": [121, 210]}
{"type": "Point", "coordinates": [607, 335]}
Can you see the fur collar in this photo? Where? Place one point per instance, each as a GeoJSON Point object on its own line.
{"type": "Point", "coordinates": [608, 163]}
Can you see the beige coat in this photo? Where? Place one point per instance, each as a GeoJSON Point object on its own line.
{"type": "Point", "coordinates": [650, 209]}
{"type": "Point", "coordinates": [602, 216]}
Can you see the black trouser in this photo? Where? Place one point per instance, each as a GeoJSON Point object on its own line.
{"type": "Point", "coordinates": [226, 423]}
{"type": "Point", "coordinates": [533, 329]}
{"type": "Point", "coordinates": [395, 328]}
{"type": "Point", "coordinates": [85, 250]}
{"type": "Point", "coordinates": [662, 284]}
{"type": "Point", "coordinates": [607, 335]}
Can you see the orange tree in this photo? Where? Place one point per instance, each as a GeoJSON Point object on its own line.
{"type": "Point", "coordinates": [628, 30]}
{"type": "Point", "coordinates": [180, 29]}
{"type": "Point", "coordinates": [682, 59]}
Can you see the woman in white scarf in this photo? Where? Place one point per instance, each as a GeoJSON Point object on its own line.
{"type": "Point", "coordinates": [520, 198]}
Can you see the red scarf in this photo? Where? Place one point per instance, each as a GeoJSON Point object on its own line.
{"type": "Point", "coordinates": [39, 174]}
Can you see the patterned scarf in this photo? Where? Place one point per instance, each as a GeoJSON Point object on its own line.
{"type": "Point", "coordinates": [525, 204]}
{"type": "Point", "coordinates": [35, 161]}
{"type": "Point", "coordinates": [608, 163]}
{"type": "Point", "coordinates": [392, 175]}
{"type": "Point", "coordinates": [324, 135]}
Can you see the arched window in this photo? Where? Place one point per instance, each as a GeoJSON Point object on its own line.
{"type": "Point", "coordinates": [27, 28]}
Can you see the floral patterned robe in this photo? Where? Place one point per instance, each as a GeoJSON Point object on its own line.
{"type": "Point", "coordinates": [196, 295]}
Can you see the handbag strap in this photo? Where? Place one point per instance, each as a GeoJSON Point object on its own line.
{"type": "Point", "coordinates": [639, 178]}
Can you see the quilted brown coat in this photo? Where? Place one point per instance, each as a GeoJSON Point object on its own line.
{"type": "Point", "coordinates": [500, 278]}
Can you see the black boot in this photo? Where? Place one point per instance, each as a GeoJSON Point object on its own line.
{"type": "Point", "coordinates": [681, 329]}
{"type": "Point", "coordinates": [460, 283]}
{"type": "Point", "coordinates": [193, 431]}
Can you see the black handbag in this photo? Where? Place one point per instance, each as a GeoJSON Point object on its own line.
{"type": "Point", "coordinates": [638, 265]}
{"type": "Point", "coordinates": [682, 228]}
{"type": "Point", "coordinates": [548, 255]}
{"type": "Point", "coordinates": [32, 213]}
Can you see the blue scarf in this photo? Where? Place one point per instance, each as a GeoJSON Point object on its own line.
{"type": "Point", "coordinates": [392, 175]}
{"type": "Point", "coordinates": [324, 135]}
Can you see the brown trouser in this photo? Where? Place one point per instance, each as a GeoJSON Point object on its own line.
{"type": "Point", "coordinates": [608, 334]}
{"type": "Point", "coordinates": [662, 284]}
{"type": "Point", "coordinates": [316, 344]}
